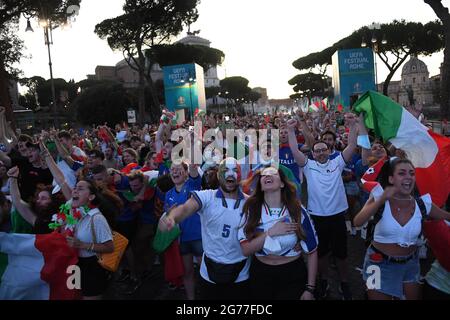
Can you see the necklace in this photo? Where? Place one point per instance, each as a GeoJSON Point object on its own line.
{"type": "Point", "coordinates": [408, 199]}
{"type": "Point", "coordinates": [400, 208]}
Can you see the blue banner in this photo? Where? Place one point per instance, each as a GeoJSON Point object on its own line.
{"type": "Point", "coordinates": [353, 73]}
{"type": "Point", "coordinates": [181, 87]}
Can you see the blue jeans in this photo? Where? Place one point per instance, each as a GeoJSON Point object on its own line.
{"type": "Point", "coordinates": [392, 275]}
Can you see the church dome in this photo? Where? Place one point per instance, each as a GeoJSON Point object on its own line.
{"type": "Point", "coordinates": [414, 65]}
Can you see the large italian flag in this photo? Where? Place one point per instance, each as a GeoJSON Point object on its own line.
{"type": "Point", "coordinates": [428, 151]}
{"type": "Point", "coordinates": [34, 267]}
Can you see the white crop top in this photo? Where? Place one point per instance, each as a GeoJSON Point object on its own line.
{"type": "Point", "coordinates": [282, 245]}
{"type": "Point", "coordinates": [388, 230]}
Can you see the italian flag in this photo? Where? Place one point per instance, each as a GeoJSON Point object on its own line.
{"type": "Point", "coordinates": [325, 105]}
{"type": "Point", "coordinates": [313, 108]}
{"type": "Point", "coordinates": [428, 151]}
{"type": "Point", "coordinates": [34, 267]}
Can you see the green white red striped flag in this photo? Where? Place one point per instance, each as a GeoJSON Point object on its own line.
{"type": "Point", "coordinates": [427, 150]}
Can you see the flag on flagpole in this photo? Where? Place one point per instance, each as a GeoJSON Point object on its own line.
{"type": "Point", "coordinates": [34, 267]}
{"type": "Point", "coordinates": [325, 105]}
{"type": "Point", "coordinates": [313, 108]}
{"type": "Point", "coordinates": [428, 151]}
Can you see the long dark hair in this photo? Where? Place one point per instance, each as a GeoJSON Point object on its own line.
{"type": "Point", "coordinates": [109, 204]}
{"type": "Point", "coordinates": [388, 169]}
{"type": "Point", "coordinates": [47, 212]}
{"type": "Point", "coordinates": [253, 206]}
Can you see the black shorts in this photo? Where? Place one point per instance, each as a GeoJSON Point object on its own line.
{"type": "Point", "coordinates": [332, 234]}
{"type": "Point", "coordinates": [94, 278]}
{"type": "Point", "coordinates": [278, 282]}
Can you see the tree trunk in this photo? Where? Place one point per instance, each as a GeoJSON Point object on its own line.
{"type": "Point", "coordinates": [391, 74]}
{"type": "Point", "coordinates": [141, 89]}
{"type": "Point", "coordinates": [445, 78]}
{"type": "Point", "coordinates": [386, 82]}
{"type": "Point", "coordinates": [156, 110]}
{"type": "Point", "coordinates": [5, 95]}
{"type": "Point", "coordinates": [443, 14]}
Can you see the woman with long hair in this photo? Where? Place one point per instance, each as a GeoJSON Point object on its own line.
{"type": "Point", "coordinates": [38, 213]}
{"type": "Point", "coordinates": [393, 252]}
{"type": "Point", "coordinates": [94, 208]}
{"type": "Point", "coordinates": [276, 229]}
{"type": "Point", "coordinates": [92, 234]}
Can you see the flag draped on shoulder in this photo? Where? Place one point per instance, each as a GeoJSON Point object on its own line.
{"type": "Point", "coordinates": [34, 267]}
{"type": "Point", "coordinates": [428, 151]}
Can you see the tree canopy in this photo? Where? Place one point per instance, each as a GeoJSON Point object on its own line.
{"type": "Point", "coordinates": [11, 46]}
{"type": "Point", "coordinates": [106, 102]}
{"type": "Point", "coordinates": [237, 87]}
{"type": "Point", "coordinates": [403, 39]}
{"type": "Point", "coordinates": [179, 53]}
{"type": "Point", "coordinates": [444, 16]}
{"type": "Point", "coordinates": [146, 23]}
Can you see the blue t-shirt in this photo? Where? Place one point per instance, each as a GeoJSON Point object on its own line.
{"type": "Point", "coordinates": [287, 159]}
{"type": "Point", "coordinates": [144, 209]}
{"type": "Point", "coordinates": [163, 170]}
{"type": "Point", "coordinates": [190, 227]}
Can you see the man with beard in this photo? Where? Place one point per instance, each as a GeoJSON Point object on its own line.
{"type": "Point", "coordinates": [224, 269]}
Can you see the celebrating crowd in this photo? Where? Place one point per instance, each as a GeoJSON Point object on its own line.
{"type": "Point", "coordinates": [260, 222]}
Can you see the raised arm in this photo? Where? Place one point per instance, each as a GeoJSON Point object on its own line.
{"type": "Point", "coordinates": [371, 207]}
{"type": "Point", "coordinates": [193, 170]}
{"type": "Point", "coordinates": [56, 172]}
{"type": "Point", "coordinates": [362, 131]}
{"type": "Point", "coordinates": [22, 207]}
{"type": "Point", "coordinates": [178, 214]}
{"type": "Point", "coordinates": [352, 138]}
{"type": "Point", "coordinates": [299, 157]}
{"type": "Point", "coordinates": [159, 136]}
{"type": "Point", "coordinates": [309, 138]}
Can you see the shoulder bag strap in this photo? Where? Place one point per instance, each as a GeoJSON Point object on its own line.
{"type": "Point", "coordinates": [94, 238]}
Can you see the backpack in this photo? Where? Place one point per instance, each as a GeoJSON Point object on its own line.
{"type": "Point", "coordinates": [379, 214]}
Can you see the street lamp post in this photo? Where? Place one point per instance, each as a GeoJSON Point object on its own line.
{"type": "Point", "coordinates": [191, 80]}
{"type": "Point", "coordinates": [375, 46]}
{"type": "Point", "coordinates": [48, 41]}
{"type": "Point", "coordinates": [45, 21]}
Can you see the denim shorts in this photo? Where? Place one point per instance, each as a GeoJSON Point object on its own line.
{"type": "Point", "coordinates": [392, 275]}
{"type": "Point", "coordinates": [194, 247]}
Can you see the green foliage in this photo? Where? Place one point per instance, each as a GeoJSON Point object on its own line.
{"type": "Point", "coordinates": [102, 103]}
{"type": "Point", "coordinates": [237, 87]}
{"type": "Point", "coordinates": [179, 53]}
{"type": "Point", "coordinates": [11, 47]}
{"type": "Point", "coordinates": [403, 39]}
{"type": "Point", "coordinates": [253, 96]}
{"type": "Point", "coordinates": [212, 92]}
{"type": "Point", "coordinates": [146, 23]}
{"type": "Point", "coordinates": [308, 81]}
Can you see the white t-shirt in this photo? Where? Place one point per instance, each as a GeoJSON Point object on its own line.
{"type": "Point", "coordinates": [326, 192]}
{"type": "Point", "coordinates": [220, 226]}
{"type": "Point", "coordinates": [282, 245]}
{"type": "Point", "coordinates": [83, 230]}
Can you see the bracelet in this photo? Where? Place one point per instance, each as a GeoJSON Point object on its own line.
{"type": "Point", "coordinates": [13, 177]}
{"type": "Point", "coordinates": [309, 289]}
